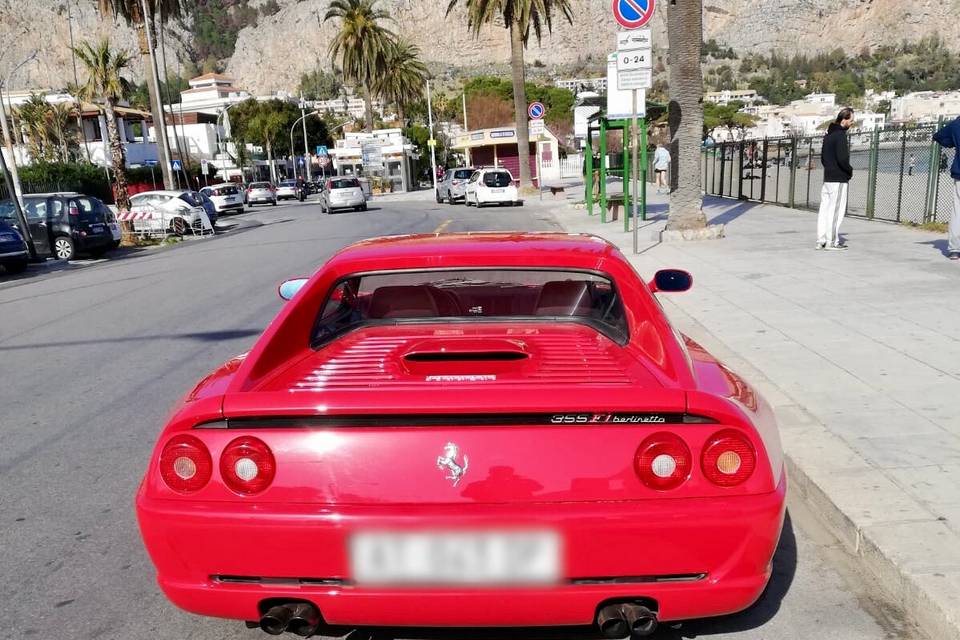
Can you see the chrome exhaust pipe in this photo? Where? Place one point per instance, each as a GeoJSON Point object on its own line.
{"type": "Point", "coordinates": [305, 620]}
{"type": "Point", "coordinates": [275, 620]}
{"type": "Point", "coordinates": [612, 620]}
{"type": "Point", "coordinates": [641, 621]}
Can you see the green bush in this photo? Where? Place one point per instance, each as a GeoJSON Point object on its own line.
{"type": "Point", "coordinates": [62, 176]}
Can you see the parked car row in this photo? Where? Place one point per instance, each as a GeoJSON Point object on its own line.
{"type": "Point", "coordinates": [62, 225]}
{"type": "Point", "coordinates": [478, 187]}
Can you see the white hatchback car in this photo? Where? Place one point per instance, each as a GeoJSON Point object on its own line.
{"type": "Point", "coordinates": [225, 196]}
{"type": "Point", "coordinates": [491, 186]}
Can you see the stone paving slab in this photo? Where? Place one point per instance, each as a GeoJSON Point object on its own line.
{"type": "Point", "coordinates": [859, 353]}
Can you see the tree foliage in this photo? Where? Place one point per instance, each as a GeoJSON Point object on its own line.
{"type": "Point", "coordinates": [319, 85]}
{"type": "Point", "coordinates": [559, 102]}
{"type": "Point", "coordinates": [270, 121]}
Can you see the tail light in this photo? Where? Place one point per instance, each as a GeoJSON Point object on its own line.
{"type": "Point", "coordinates": [249, 189]}
{"type": "Point", "coordinates": [663, 461]}
{"type": "Point", "coordinates": [185, 464]}
{"type": "Point", "coordinates": [247, 465]}
{"type": "Point", "coordinates": [728, 458]}
{"type": "Point", "coordinates": [73, 210]}
{"type": "Point", "coordinates": [456, 183]}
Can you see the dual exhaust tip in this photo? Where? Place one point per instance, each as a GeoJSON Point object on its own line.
{"type": "Point", "coordinates": [626, 620]}
{"type": "Point", "coordinates": [615, 620]}
{"type": "Point", "coordinates": [300, 618]}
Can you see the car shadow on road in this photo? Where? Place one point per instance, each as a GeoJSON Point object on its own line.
{"type": "Point", "coordinates": [204, 336]}
{"type": "Point", "coordinates": [766, 607]}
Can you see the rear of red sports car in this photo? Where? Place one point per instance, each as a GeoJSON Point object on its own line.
{"type": "Point", "coordinates": [467, 431]}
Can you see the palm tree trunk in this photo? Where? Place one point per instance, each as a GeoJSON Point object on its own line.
{"type": "Point", "coordinates": [273, 169]}
{"type": "Point", "coordinates": [685, 31]}
{"type": "Point", "coordinates": [402, 115]}
{"type": "Point", "coordinates": [156, 111]}
{"type": "Point", "coordinates": [520, 104]}
{"type": "Point", "coordinates": [119, 158]}
{"type": "Point", "coordinates": [368, 105]}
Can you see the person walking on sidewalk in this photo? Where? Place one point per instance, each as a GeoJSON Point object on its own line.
{"type": "Point", "coordinates": [661, 163]}
{"type": "Point", "coordinates": [912, 165]}
{"type": "Point", "coordinates": [949, 137]}
{"type": "Point", "coordinates": [837, 173]}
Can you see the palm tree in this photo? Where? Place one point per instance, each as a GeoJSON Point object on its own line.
{"type": "Point", "coordinates": [104, 81]}
{"type": "Point", "coordinates": [361, 45]}
{"type": "Point", "coordinates": [33, 118]}
{"type": "Point", "coordinates": [520, 17]}
{"type": "Point", "coordinates": [132, 11]}
{"type": "Point", "coordinates": [685, 114]}
{"type": "Point", "coordinates": [404, 77]}
{"type": "Point", "coordinates": [58, 118]}
{"type": "Point", "coordinates": [265, 125]}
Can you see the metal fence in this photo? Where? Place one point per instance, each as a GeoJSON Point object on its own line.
{"type": "Point", "coordinates": [49, 187]}
{"type": "Point", "coordinates": [900, 174]}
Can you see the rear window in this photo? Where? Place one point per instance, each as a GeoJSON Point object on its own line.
{"type": "Point", "coordinates": [497, 179]}
{"type": "Point", "coordinates": [260, 185]}
{"type": "Point", "coordinates": [288, 183]}
{"type": "Point", "coordinates": [91, 209]}
{"type": "Point", "coordinates": [462, 174]}
{"type": "Point", "coordinates": [225, 191]}
{"type": "Point", "coordinates": [7, 212]}
{"type": "Point", "coordinates": [344, 183]}
{"type": "Point", "coordinates": [472, 295]}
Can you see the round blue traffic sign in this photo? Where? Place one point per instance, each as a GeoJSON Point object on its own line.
{"type": "Point", "coordinates": [633, 14]}
{"type": "Point", "coordinates": [536, 110]}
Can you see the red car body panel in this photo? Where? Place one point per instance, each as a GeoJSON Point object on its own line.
{"type": "Point", "coordinates": [356, 426]}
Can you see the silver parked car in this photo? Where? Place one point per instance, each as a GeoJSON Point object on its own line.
{"type": "Point", "coordinates": [287, 190]}
{"type": "Point", "coordinates": [261, 192]}
{"type": "Point", "coordinates": [453, 187]}
{"type": "Point", "coordinates": [342, 193]}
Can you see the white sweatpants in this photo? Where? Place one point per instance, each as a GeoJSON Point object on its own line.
{"type": "Point", "coordinates": [833, 206]}
{"type": "Point", "coordinates": [953, 243]}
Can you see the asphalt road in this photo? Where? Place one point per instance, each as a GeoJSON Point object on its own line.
{"type": "Point", "coordinates": [92, 357]}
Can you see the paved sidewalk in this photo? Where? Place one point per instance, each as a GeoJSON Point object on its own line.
{"type": "Point", "coordinates": [859, 352]}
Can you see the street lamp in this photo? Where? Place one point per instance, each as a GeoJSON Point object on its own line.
{"type": "Point", "coordinates": [295, 123]}
{"type": "Point", "coordinates": [12, 165]}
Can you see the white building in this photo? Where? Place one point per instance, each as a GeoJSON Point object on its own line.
{"type": "Point", "coordinates": [94, 145]}
{"type": "Point", "coordinates": [925, 106]}
{"type": "Point", "coordinates": [382, 152]}
{"type": "Point", "coordinates": [347, 105]}
{"type": "Point", "coordinates": [747, 96]}
{"type": "Point", "coordinates": [578, 85]}
{"type": "Point", "coordinates": [588, 104]}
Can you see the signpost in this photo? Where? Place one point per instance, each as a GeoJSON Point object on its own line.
{"type": "Point", "coordinates": [152, 164]}
{"type": "Point", "coordinates": [177, 167]}
{"type": "Point", "coordinates": [634, 73]}
{"type": "Point", "coordinates": [322, 150]}
{"type": "Point", "coordinates": [536, 110]}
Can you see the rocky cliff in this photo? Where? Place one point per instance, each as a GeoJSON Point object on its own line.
{"type": "Point", "coordinates": [273, 54]}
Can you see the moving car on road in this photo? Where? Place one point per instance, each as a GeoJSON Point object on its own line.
{"type": "Point", "coordinates": [342, 193]}
{"type": "Point", "coordinates": [65, 224]}
{"type": "Point", "coordinates": [226, 197]}
{"type": "Point", "coordinates": [261, 192]}
{"type": "Point", "coordinates": [179, 211]}
{"type": "Point", "coordinates": [491, 186]}
{"type": "Point", "coordinates": [13, 250]}
{"type": "Point", "coordinates": [288, 190]}
{"type": "Point", "coordinates": [453, 187]}
{"type": "Point", "coordinates": [468, 430]}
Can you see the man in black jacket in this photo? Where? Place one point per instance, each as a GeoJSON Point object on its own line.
{"type": "Point", "coordinates": [836, 177]}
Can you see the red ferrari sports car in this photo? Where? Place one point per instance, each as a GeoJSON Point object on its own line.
{"type": "Point", "coordinates": [468, 430]}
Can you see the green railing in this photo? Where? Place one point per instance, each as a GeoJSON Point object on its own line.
{"type": "Point", "coordinates": [900, 174]}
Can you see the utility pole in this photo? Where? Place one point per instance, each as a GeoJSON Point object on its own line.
{"type": "Point", "coordinates": [306, 148]}
{"type": "Point", "coordinates": [160, 127]}
{"type": "Point", "coordinates": [76, 82]}
{"type": "Point", "coordinates": [16, 190]}
{"type": "Point", "coordinates": [465, 126]}
{"type": "Point", "coordinates": [432, 142]}
{"type": "Point", "coordinates": [17, 204]}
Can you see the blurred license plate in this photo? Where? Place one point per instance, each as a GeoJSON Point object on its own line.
{"type": "Point", "coordinates": [455, 558]}
{"type": "Point", "coordinates": [496, 190]}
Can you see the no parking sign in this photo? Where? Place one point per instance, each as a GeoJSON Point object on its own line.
{"type": "Point", "coordinates": [633, 14]}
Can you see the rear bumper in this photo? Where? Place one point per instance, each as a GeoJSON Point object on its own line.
{"type": "Point", "coordinates": [730, 541]}
{"type": "Point", "coordinates": [236, 206]}
{"type": "Point", "coordinates": [347, 204]}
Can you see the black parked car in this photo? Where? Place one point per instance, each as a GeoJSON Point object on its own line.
{"type": "Point", "coordinates": [13, 250]}
{"type": "Point", "coordinates": [63, 225]}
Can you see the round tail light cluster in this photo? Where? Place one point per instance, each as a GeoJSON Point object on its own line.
{"type": "Point", "coordinates": [185, 464]}
{"type": "Point", "coordinates": [663, 461]}
{"type": "Point", "coordinates": [728, 459]}
{"type": "Point", "coordinates": [247, 465]}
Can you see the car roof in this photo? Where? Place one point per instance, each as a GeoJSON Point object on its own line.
{"type": "Point", "coordinates": [55, 193]}
{"type": "Point", "coordinates": [222, 184]}
{"type": "Point", "coordinates": [162, 193]}
{"type": "Point", "coordinates": [481, 249]}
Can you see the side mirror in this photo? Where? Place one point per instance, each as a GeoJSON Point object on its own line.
{"type": "Point", "coordinates": [671, 280]}
{"type": "Point", "coordinates": [289, 288]}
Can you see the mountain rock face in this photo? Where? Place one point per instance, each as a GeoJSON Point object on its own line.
{"type": "Point", "coordinates": [272, 55]}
